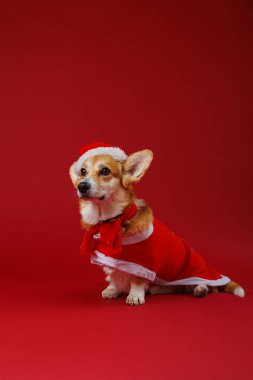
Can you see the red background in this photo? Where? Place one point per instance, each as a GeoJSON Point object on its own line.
{"type": "Point", "coordinates": [175, 77]}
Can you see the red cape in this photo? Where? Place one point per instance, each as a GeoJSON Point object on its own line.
{"type": "Point", "coordinates": [160, 256]}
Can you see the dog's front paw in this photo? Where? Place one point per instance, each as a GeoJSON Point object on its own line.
{"type": "Point", "coordinates": [135, 299]}
{"type": "Point", "coordinates": [110, 293]}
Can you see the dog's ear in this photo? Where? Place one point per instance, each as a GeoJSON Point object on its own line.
{"type": "Point", "coordinates": [136, 166]}
{"type": "Point", "coordinates": [72, 173]}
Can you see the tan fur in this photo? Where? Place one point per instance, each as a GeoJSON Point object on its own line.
{"type": "Point", "coordinates": [140, 222]}
{"type": "Point", "coordinates": [94, 164]}
{"type": "Point", "coordinates": [73, 176]}
{"type": "Point", "coordinates": [134, 169]}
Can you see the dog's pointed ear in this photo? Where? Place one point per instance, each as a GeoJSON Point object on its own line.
{"type": "Point", "coordinates": [136, 166]}
{"type": "Point", "coordinates": [72, 173]}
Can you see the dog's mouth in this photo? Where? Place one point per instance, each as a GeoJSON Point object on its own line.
{"type": "Point", "coordinates": [86, 196]}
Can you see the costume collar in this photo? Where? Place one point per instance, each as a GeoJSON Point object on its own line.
{"type": "Point", "coordinates": [110, 233]}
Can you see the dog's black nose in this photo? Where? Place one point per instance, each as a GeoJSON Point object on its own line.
{"type": "Point", "coordinates": [83, 187]}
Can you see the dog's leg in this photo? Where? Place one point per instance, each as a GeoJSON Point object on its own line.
{"type": "Point", "coordinates": [136, 296]}
{"type": "Point", "coordinates": [111, 291]}
{"type": "Point", "coordinates": [108, 272]}
{"type": "Point", "coordinates": [118, 283]}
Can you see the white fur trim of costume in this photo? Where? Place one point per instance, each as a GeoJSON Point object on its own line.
{"type": "Point", "coordinates": [135, 238]}
{"type": "Point", "coordinates": [99, 258]}
{"type": "Point", "coordinates": [116, 153]}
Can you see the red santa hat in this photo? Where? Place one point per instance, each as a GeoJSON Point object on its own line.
{"type": "Point", "coordinates": [96, 149]}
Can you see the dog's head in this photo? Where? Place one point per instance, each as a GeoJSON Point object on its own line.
{"type": "Point", "coordinates": [101, 177]}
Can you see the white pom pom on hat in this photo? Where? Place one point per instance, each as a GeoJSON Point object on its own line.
{"type": "Point", "coordinates": [96, 149]}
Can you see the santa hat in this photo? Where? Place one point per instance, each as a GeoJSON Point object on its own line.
{"type": "Point", "coordinates": [96, 149]}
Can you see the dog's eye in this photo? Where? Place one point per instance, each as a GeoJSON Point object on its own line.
{"type": "Point", "coordinates": [104, 171]}
{"type": "Point", "coordinates": [83, 171]}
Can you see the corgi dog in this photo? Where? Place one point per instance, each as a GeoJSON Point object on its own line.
{"type": "Point", "coordinates": [138, 253]}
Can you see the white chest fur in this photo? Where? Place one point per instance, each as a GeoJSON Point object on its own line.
{"type": "Point", "coordinates": [93, 212]}
{"type": "Point", "coordinates": [90, 213]}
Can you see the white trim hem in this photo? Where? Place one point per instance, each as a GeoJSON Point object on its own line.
{"type": "Point", "coordinates": [99, 258]}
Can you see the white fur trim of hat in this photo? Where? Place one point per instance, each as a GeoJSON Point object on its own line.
{"type": "Point", "coordinates": [96, 149]}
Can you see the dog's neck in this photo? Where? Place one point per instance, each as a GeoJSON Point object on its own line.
{"type": "Point", "coordinates": [109, 208]}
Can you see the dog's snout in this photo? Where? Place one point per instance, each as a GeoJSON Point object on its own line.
{"type": "Point", "coordinates": [83, 187]}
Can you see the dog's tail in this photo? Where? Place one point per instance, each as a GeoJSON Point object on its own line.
{"type": "Point", "coordinates": [234, 288]}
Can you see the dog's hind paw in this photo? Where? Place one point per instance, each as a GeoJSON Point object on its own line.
{"type": "Point", "coordinates": [200, 290]}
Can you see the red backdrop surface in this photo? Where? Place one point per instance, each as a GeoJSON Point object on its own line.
{"type": "Point", "coordinates": [175, 77]}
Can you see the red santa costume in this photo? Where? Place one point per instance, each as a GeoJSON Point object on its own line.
{"type": "Point", "coordinates": [157, 254]}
